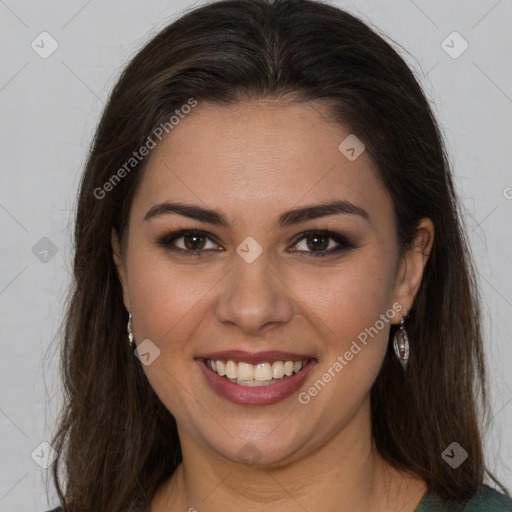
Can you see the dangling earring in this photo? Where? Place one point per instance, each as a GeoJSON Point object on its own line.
{"type": "Point", "coordinates": [129, 328]}
{"type": "Point", "coordinates": [401, 344]}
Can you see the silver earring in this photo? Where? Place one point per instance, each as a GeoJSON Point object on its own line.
{"type": "Point", "coordinates": [129, 328]}
{"type": "Point", "coordinates": [401, 344]}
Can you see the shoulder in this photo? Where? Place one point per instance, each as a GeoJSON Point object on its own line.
{"type": "Point", "coordinates": [485, 499]}
{"type": "Point", "coordinates": [488, 500]}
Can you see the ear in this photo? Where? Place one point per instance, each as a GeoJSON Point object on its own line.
{"type": "Point", "coordinates": [121, 267]}
{"type": "Point", "coordinates": [412, 264]}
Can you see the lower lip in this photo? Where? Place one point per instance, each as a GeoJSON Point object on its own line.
{"type": "Point", "coordinates": [257, 395]}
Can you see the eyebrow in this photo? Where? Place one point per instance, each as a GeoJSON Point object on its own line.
{"type": "Point", "coordinates": [291, 217]}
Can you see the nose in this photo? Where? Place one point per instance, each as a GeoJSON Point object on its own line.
{"type": "Point", "coordinates": [254, 297]}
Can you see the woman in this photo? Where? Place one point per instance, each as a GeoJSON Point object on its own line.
{"type": "Point", "coordinates": [268, 211]}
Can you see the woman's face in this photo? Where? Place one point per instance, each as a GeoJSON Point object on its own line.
{"type": "Point", "coordinates": [252, 288]}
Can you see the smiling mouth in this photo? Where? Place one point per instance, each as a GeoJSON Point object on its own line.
{"type": "Point", "coordinates": [265, 373]}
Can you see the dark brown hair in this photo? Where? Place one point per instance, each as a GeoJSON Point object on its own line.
{"type": "Point", "coordinates": [116, 441]}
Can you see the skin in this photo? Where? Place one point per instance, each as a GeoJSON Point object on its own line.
{"type": "Point", "coordinates": [252, 162]}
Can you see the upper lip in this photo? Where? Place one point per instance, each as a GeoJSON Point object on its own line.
{"type": "Point", "coordinates": [254, 357]}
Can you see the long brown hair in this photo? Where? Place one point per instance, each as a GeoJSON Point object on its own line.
{"type": "Point", "coordinates": [116, 442]}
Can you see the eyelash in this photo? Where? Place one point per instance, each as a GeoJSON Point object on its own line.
{"type": "Point", "coordinates": [344, 243]}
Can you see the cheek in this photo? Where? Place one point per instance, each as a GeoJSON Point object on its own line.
{"type": "Point", "coordinates": [167, 298]}
{"type": "Point", "coordinates": [352, 305]}
{"type": "Point", "coordinates": [353, 311]}
{"type": "Point", "coordinates": [351, 297]}
{"type": "Point", "coordinates": [168, 303]}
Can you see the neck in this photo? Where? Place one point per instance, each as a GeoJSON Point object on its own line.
{"type": "Point", "coordinates": [345, 473]}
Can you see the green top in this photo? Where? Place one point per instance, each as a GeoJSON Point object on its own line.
{"type": "Point", "coordinates": [485, 500]}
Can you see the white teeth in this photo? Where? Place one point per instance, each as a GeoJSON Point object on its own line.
{"type": "Point", "coordinates": [261, 374]}
{"type": "Point", "coordinates": [278, 369]}
{"type": "Point", "coordinates": [231, 370]}
{"type": "Point", "coordinates": [245, 371]}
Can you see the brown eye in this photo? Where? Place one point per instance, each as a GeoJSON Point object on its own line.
{"type": "Point", "coordinates": [317, 242]}
{"type": "Point", "coordinates": [321, 243]}
{"type": "Point", "coordinates": [194, 242]}
{"type": "Point", "coordinates": [191, 241]}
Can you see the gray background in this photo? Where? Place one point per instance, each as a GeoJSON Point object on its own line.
{"type": "Point", "coordinates": [50, 108]}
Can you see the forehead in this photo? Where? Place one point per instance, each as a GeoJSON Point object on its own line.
{"type": "Point", "coordinates": [258, 154]}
